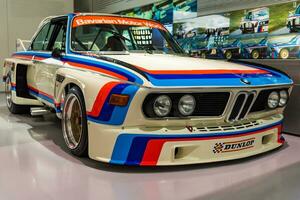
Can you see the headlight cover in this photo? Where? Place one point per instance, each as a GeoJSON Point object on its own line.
{"type": "Point", "coordinates": [273, 100]}
{"type": "Point", "coordinates": [284, 96]}
{"type": "Point", "coordinates": [186, 105]}
{"type": "Point", "coordinates": [162, 105]}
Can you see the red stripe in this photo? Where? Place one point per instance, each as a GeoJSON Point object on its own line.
{"type": "Point", "coordinates": [98, 70]}
{"type": "Point", "coordinates": [78, 65]}
{"type": "Point", "coordinates": [23, 57]}
{"type": "Point", "coordinates": [216, 71]}
{"type": "Point", "coordinates": [101, 97]}
{"type": "Point", "coordinates": [40, 92]}
{"type": "Point", "coordinates": [13, 84]}
{"type": "Point", "coordinates": [154, 146]}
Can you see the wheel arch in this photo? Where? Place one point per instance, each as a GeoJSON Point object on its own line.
{"type": "Point", "coordinates": [89, 84]}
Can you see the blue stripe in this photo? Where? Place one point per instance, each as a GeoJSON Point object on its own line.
{"type": "Point", "coordinates": [88, 61]}
{"type": "Point", "coordinates": [129, 148]}
{"type": "Point", "coordinates": [48, 99]}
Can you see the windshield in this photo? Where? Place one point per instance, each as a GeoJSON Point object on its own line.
{"type": "Point", "coordinates": [109, 35]}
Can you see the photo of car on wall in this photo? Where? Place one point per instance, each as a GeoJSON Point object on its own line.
{"type": "Point", "coordinates": [290, 49]}
{"type": "Point", "coordinates": [232, 49]}
{"type": "Point", "coordinates": [293, 20]}
{"type": "Point", "coordinates": [255, 21]}
{"type": "Point", "coordinates": [257, 51]}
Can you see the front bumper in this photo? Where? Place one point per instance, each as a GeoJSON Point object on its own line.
{"type": "Point", "coordinates": [191, 145]}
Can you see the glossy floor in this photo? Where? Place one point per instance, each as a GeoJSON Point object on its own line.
{"type": "Point", "coordinates": [34, 164]}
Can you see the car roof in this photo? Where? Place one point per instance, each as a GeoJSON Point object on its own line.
{"type": "Point", "coordinates": [95, 14]}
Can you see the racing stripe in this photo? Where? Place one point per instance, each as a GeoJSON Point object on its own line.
{"type": "Point", "coordinates": [101, 98]}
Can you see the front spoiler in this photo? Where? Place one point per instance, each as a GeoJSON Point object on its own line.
{"type": "Point", "coordinates": [154, 150]}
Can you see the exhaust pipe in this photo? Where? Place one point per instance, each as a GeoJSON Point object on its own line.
{"type": "Point", "coordinates": [39, 111]}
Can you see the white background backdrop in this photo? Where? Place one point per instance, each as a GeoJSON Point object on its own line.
{"type": "Point", "coordinates": [20, 18]}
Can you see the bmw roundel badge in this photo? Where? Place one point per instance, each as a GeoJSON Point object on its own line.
{"type": "Point", "coordinates": [243, 80]}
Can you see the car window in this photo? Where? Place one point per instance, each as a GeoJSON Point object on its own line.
{"type": "Point", "coordinates": [41, 41]}
{"type": "Point", "coordinates": [59, 41]}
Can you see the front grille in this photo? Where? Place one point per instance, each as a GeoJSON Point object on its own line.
{"type": "Point", "coordinates": [208, 104]}
{"type": "Point", "coordinates": [260, 103]}
{"type": "Point", "coordinates": [241, 106]}
{"type": "Point", "coordinates": [237, 107]}
{"type": "Point", "coordinates": [247, 106]}
{"type": "Point", "coordinates": [211, 104]}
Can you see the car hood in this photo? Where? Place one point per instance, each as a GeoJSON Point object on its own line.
{"type": "Point", "coordinates": [161, 70]}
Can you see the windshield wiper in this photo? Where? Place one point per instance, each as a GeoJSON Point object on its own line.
{"type": "Point", "coordinates": [146, 49]}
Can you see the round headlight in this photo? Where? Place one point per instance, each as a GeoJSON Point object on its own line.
{"type": "Point", "coordinates": [273, 100]}
{"type": "Point", "coordinates": [186, 105]}
{"type": "Point", "coordinates": [162, 106]}
{"type": "Point", "coordinates": [283, 97]}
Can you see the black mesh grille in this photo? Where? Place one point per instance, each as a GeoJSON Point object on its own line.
{"type": "Point", "coordinates": [207, 104]}
{"type": "Point", "coordinates": [247, 106]}
{"type": "Point", "coordinates": [261, 101]}
{"type": "Point", "coordinates": [237, 107]}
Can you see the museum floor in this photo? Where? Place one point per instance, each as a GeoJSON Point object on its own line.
{"type": "Point", "coordinates": [35, 165]}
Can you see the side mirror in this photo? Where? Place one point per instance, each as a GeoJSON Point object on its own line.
{"type": "Point", "coordinates": [56, 53]}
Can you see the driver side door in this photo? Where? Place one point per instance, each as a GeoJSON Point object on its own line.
{"type": "Point", "coordinates": [42, 74]}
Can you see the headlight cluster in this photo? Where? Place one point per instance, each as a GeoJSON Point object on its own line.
{"type": "Point", "coordinates": [162, 105]}
{"type": "Point", "coordinates": [277, 99]}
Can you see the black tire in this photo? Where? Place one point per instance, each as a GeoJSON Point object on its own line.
{"type": "Point", "coordinates": [82, 149]}
{"type": "Point", "coordinates": [12, 107]}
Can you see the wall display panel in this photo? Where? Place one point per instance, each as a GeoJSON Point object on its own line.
{"type": "Point", "coordinates": [202, 36]}
{"type": "Point", "coordinates": [254, 33]}
{"type": "Point", "coordinates": [184, 9]}
{"type": "Point", "coordinates": [161, 11]}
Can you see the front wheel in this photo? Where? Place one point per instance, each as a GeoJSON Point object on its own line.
{"type": "Point", "coordinates": [74, 122]}
{"type": "Point", "coordinates": [12, 107]}
{"type": "Point", "coordinates": [228, 55]}
{"type": "Point", "coordinates": [284, 54]}
{"type": "Point", "coordinates": [255, 54]}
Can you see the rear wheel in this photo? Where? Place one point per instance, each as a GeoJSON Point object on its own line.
{"type": "Point", "coordinates": [228, 55]}
{"type": "Point", "coordinates": [12, 107]}
{"type": "Point", "coordinates": [255, 54]}
{"type": "Point", "coordinates": [284, 54]}
{"type": "Point", "coordinates": [74, 122]}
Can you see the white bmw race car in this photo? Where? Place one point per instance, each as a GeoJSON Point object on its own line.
{"type": "Point", "coordinates": [126, 94]}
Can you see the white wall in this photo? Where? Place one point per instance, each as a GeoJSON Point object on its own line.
{"type": "Point", "coordinates": [20, 18]}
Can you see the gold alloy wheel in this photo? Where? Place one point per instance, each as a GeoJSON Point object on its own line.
{"type": "Point", "coordinates": [8, 92]}
{"type": "Point", "coordinates": [284, 54]}
{"type": "Point", "coordinates": [255, 54]}
{"type": "Point", "coordinates": [72, 121]}
{"type": "Point", "coordinates": [228, 55]}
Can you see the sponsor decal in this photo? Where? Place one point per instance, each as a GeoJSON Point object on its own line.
{"type": "Point", "coordinates": [225, 147]}
{"type": "Point", "coordinates": [88, 20]}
